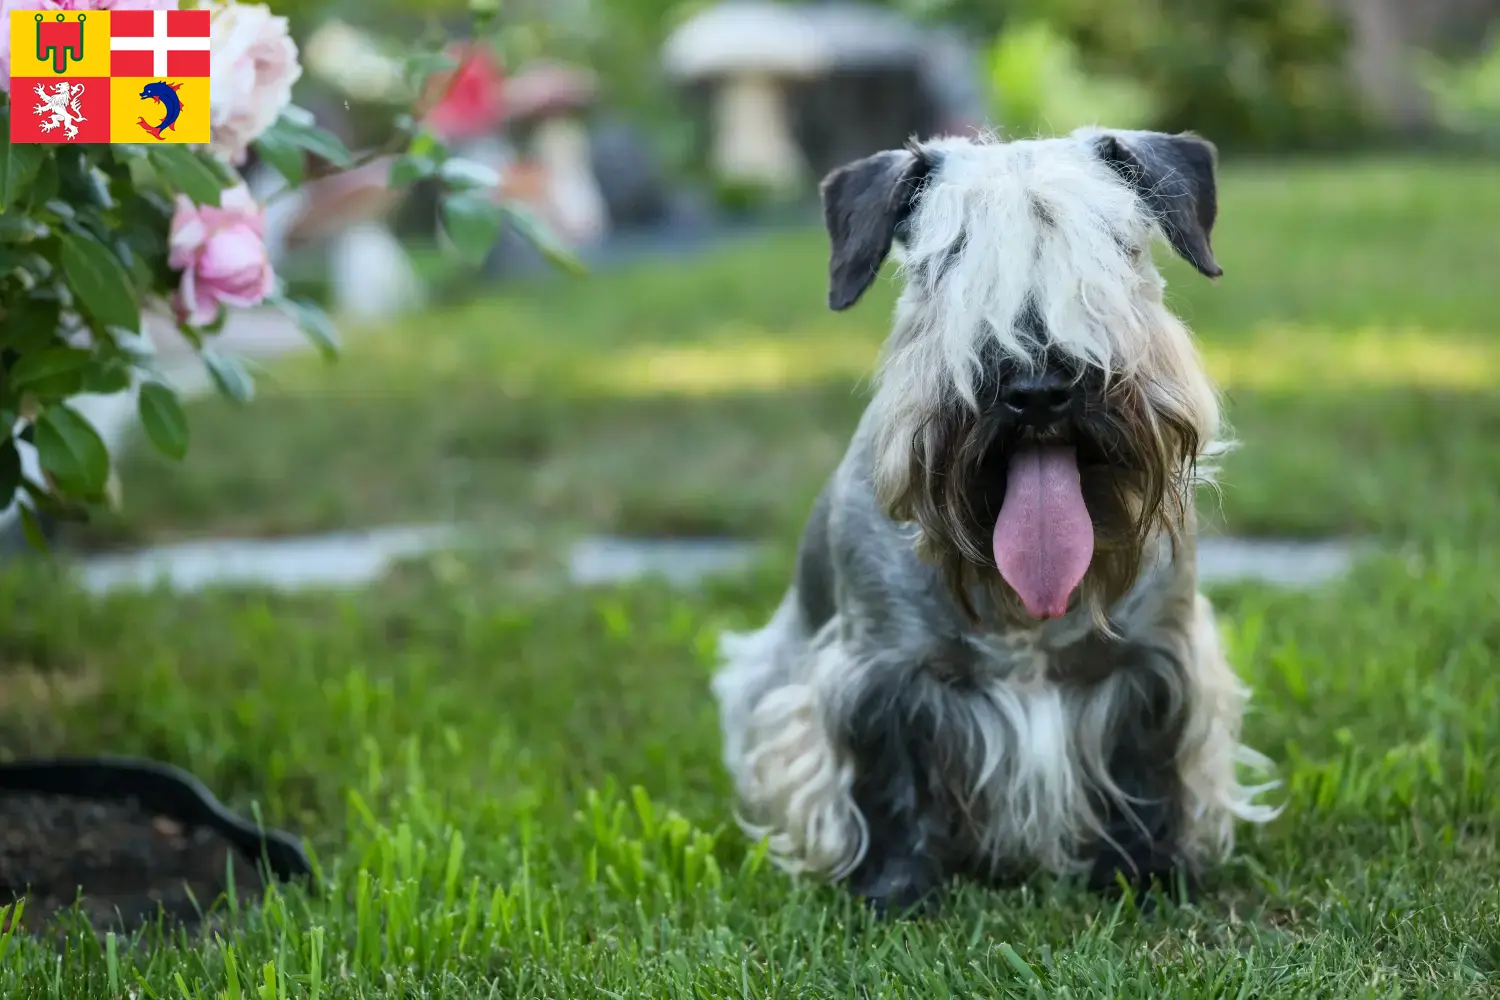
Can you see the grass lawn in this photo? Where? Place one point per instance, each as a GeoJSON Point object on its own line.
{"type": "Point", "coordinates": [517, 794]}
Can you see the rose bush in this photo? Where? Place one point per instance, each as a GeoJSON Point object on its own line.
{"type": "Point", "coordinates": [95, 238]}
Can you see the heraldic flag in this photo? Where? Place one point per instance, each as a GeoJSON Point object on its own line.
{"type": "Point", "coordinates": [136, 76]}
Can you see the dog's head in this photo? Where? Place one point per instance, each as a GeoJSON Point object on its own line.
{"type": "Point", "coordinates": [1040, 414]}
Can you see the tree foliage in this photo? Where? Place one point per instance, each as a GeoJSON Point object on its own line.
{"type": "Point", "coordinates": [1257, 74]}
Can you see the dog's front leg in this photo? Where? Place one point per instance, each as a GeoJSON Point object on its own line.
{"type": "Point", "coordinates": [1143, 838]}
{"type": "Point", "coordinates": [1143, 820]}
{"type": "Point", "coordinates": [890, 730]}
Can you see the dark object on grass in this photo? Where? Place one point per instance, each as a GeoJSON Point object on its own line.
{"type": "Point", "coordinates": [127, 839]}
{"type": "Point", "coordinates": [630, 178]}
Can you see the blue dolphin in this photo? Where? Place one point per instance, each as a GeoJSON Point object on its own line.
{"type": "Point", "coordinates": [164, 94]}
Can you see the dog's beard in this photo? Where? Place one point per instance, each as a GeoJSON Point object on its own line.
{"type": "Point", "coordinates": [1135, 465]}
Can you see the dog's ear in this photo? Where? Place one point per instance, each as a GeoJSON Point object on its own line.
{"type": "Point", "coordinates": [863, 204]}
{"type": "Point", "coordinates": [1174, 174]}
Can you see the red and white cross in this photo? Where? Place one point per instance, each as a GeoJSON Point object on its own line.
{"type": "Point", "coordinates": [158, 43]}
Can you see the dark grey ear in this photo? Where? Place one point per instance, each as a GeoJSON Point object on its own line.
{"type": "Point", "coordinates": [863, 203]}
{"type": "Point", "coordinates": [1174, 174]}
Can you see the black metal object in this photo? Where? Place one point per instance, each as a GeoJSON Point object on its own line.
{"type": "Point", "coordinates": [162, 789]}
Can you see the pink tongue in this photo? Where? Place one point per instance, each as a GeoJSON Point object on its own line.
{"type": "Point", "coordinates": [1043, 537]}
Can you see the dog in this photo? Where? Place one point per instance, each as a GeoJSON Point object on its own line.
{"type": "Point", "coordinates": [994, 657]}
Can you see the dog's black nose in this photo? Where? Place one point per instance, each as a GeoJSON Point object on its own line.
{"type": "Point", "coordinates": [1038, 400]}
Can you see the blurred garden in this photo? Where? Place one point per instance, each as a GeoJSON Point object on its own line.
{"type": "Point", "coordinates": [399, 463]}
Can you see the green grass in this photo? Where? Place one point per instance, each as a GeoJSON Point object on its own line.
{"type": "Point", "coordinates": [517, 794]}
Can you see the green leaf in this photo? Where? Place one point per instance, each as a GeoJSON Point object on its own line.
{"type": "Point", "coordinates": [72, 451]}
{"type": "Point", "coordinates": [422, 65]}
{"type": "Point", "coordinates": [18, 228]}
{"type": "Point", "coordinates": [192, 335]}
{"type": "Point", "coordinates": [536, 232]}
{"type": "Point", "coordinates": [61, 209]}
{"type": "Point", "coordinates": [47, 502]}
{"type": "Point", "coordinates": [228, 176]}
{"type": "Point", "coordinates": [36, 535]}
{"type": "Point", "coordinates": [295, 127]}
{"type": "Point", "coordinates": [106, 376]}
{"type": "Point", "coordinates": [229, 375]}
{"type": "Point", "coordinates": [316, 325]}
{"type": "Point", "coordinates": [185, 172]}
{"type": "Point", "coordinates": [162, 417]}
{"type": "Point", "coordinates": [54, 373]}
{"type": "Point", "coordinates": [215, 325]}
{"type": "Point", "coordinates": [45, 187]}
{"type": "Point", "coordinates": [98, 188]}
{"type": "Point", "coordinates": [460, 174]}
{"type": "Point", "coordinates": [83, 181]}
{"type": "Point", "coordinates": [100, 282]}
{"type": "Point", "coordinates": [36, 267]}
{"type": "Point", "coordinates": [425, 144]}
{"type": "Point", "coordinates": [410, 168]}
{"type": "Point", "coordinates": [10, 471]}
{"type": "Point", "coordinates": [31, 324]}
{"type": "Point", "coordinates": [19, 165]}
{"type": "Point", "coordinates": [472, 221]}
{"type": "Point", "coordinates": [1019, 965]}
{"type": "Point", "coordinates": [284, 155]}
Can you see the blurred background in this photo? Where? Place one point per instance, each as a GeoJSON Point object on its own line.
{"type": "Point", "coordinates": [635, 124]}
{"type": "Point", "coordinates": [690, 391]}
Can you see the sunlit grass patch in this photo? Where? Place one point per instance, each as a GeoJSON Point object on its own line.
{"type": "Point", "coordinates": [1313, 359]}
{"type": "Point", "coordinates": [737, 360]}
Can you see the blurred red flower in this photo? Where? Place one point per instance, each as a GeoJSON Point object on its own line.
{"type": "Point", "coordinates": [470, 100]}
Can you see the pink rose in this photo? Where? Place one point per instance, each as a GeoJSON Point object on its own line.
{"type": "Point", "coordinates": [254, 66]}
{"type": "Point", "coordinates": [9, 5]}
{"type": "Point", "coordinates": [221, 253]}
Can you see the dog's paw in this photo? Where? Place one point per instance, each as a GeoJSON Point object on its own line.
{"type": "Point", "coordinates": [1112, 877]}
{"type": "Point", "coordinates": [900, 890]}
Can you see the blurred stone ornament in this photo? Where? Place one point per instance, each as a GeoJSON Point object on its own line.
{"type": "Point", "coordinates": [549, 102]}
{"type": "Point", "coordinates": [371, 275]}
{"type": "Point", "coordinates": [798, 88]}
{"type": "Point", "coordinates": [746, 50]}
{"type": "Point", "coordinates": [631, 179]}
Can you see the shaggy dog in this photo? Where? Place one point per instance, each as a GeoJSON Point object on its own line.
{"type": "Point", "coordinates": [993, 656]}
